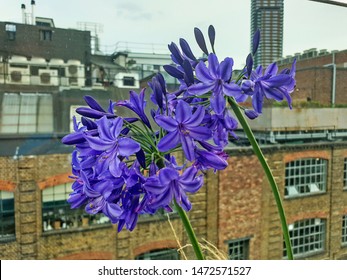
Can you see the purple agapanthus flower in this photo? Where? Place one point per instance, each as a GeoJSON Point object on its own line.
{"type": "Point", "coordinates": [111, 145]}
{"type": "Point", "coordinates": [269, 85]}
{"type": "Point", "coordinates": [137, 104]}
{"type": "Point", "coordinates": [102, 196]}
{"type": "Point", "coordinates": [171, 185]}
{"type": "Point", "coordinates": [216, 78]}
{"type": "Point", "coordinates": [184, 128]}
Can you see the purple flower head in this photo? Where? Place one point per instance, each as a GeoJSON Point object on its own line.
{"type": "Point", "coordinates": [111, 145]}
{"type": "Point", "coordinates": [171, 185]}
{"type": "Point", "coordinates": [137, 104]}
{"type": "Point", "coordinates": [184, 128]}
{"type": "Point", "coordinates": [270, 85]}
{"type": "Point", "coordinates": [216, 78]}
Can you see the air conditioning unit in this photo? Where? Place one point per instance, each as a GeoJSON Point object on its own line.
{"type": "Point", "coordinates": [19, 76]}
{"type": "Point", "coordinates": [127, 80]}
{"type": "Point", "coordinates": [48, 77]}
{"type": "Point", "coordinates": [3, 72]}
{"type": "Point", "coordinates": [75, 73]}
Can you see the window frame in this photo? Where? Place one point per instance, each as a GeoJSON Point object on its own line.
{"type": "Point", "coordinates": [11, 236]}
{"type": "Point", "coordinates": [158, 252]}
{"type": "Point", "coordinates": [300, 247]}
{"type": "Point", "coordinates": [241, 245]}
{"type": "Point", "coordinates": [344, 231]}
{"type": "Point", "coordinates": [305, 177]}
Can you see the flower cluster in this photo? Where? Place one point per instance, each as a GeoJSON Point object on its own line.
{"type": "Point", "coordinates": [125, 167]}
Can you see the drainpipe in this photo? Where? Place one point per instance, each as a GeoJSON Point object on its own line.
{"type": "Point", "coordinates": [333, 88]}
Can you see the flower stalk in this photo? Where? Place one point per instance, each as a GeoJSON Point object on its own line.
{"type": "Point", "coordinates": [267, 171]}
{"type": "Point", "coordinates": [190, 232]}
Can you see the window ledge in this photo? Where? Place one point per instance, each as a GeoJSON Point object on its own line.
{"type": "Point", "coordinates": [305, 195]}
{"type": "Point", "coordinates": [75, 230]}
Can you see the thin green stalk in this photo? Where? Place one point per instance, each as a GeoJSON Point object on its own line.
{"type": "Point", "coordinates": [190, 232]}
{"type": "Point", "coordinates": [268, 173]}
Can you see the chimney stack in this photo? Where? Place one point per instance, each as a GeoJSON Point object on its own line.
{"type": "Point", "coordinates": [23, 14]}
{"type": "Point", "coordinates": [32, 12]}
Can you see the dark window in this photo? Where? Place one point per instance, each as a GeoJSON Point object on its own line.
{"type": "Point", "coordinates": [46, 35]}
{"type": "Point", "coordinates": [7, 224]}
{"type": "Point", "coordinates": [165, 254]}
{"type": "Point", "coordinates": [238, 249]}
{"type": "Point", "coordinates": [11, 31]}
{"type": "Point", "coordinates": [128, 81]}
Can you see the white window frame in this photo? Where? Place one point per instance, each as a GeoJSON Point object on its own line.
{"type": "Point", "coordinates": [307, 237]}
{"type": "Point", "coordinates": [306, 176]}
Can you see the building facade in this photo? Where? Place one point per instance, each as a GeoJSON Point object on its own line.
{"type": "Point", "coordinates": [235, 211]}
{"type": "Point", "coordinates": [267, 16]}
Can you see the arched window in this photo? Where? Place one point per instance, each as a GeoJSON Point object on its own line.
{"type": "Point", "coordinates": [305, 176]}
{"type": "Point", "coordinates": [7, 222]}
{"type": "Point", "coordinates": [162, 254]}
{"type": "Point", "coordinates": [307, 237]}
{"type": "Point", "coordinates": [57, 214]}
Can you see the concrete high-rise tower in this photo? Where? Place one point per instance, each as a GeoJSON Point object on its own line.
{"type": "Point", "coordinates": [267, 15]}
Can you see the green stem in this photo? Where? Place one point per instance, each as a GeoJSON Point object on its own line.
{"type": "Point", "coordinates": [190, 232]}
{"type": "Point", "coordinates": [268, 173]}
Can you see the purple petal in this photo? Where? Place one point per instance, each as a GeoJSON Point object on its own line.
{"type": "Point", "coordinates": [186, 49]}
{"type": "Point", "coordinates": [210, 159]}
{"type": "Point", "coordinates": [200, 133]}
{"type": "Point", "coordinates": [168, 123]}
{"type": "Point", "coordinates": [192, 186]}
{"type": "Point", "coordinates": [226, 68]}
{"type": "Point", "coordinates": [169, 141]}
{"type": "Point", "coordinates": [199, 37]}
{"type": "Point", "coordinates": [176, 54]}
{"type": "Point", "coordinates": [117, 125]}
{"type": "Point", "coordinates": [213, 66]}
{"type": "Point", "coordinates": [256, 40]}
{"type": "Point", "coordinates": [183, 111]}
{"type": "Point", "coordinates": [211, 35]}
{"type": "Point", "coordinates": [98, 144]}
{"type": "Point", "coordinates": [128, 147]}
{"type": "Point", "coordinates": [95, 205]}
{"type": "Point", "coordinates": [168, 174]}
{"type": "Point", "coordinates": [90, 113]}
{"type": "Point", "coordinates": [115, 167]}
{"type": "Point", "coordinates": [202, 73]}
{"type": "Point", "coordinates": [218, 103]}
{"type": "Point", "coordinates": [188, 147]}
{"type": "Point", "coordinates": [189, 174]}
{"type": "Point", "coordinates": [257, 102]}
{"type": "Point", "coordinates": [112, 211]}
{"type": "Point", "coordinates": [92, 103]}
{"type": "Point", "coordinates": [271, 69]}
{"type": "Point", "coordinates": [197, 117]}
{"type": "Point", "coordinates": [231, 89]}
{"type": "Point", "coordinates": [174, 72]}
{"type": "Point", "coordinates": [154, 186]}
{"type": "Point", "coordinates": [251, 114]}
{"type": "Point", "coordinates": [279, 80]}
{"type": "Point", "coordinates": [201, 88]}
{"type": "Point", "coordinates": [104, 129]}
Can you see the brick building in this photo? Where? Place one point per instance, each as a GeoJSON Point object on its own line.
{"type": "Point", "coordinates": [307, 151]}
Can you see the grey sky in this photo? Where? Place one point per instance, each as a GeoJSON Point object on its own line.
{"type": "Point", "coordinates": [307, 24]}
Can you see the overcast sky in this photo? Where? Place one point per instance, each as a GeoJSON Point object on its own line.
{"type": "Point", "coordinates": [306, 24]}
